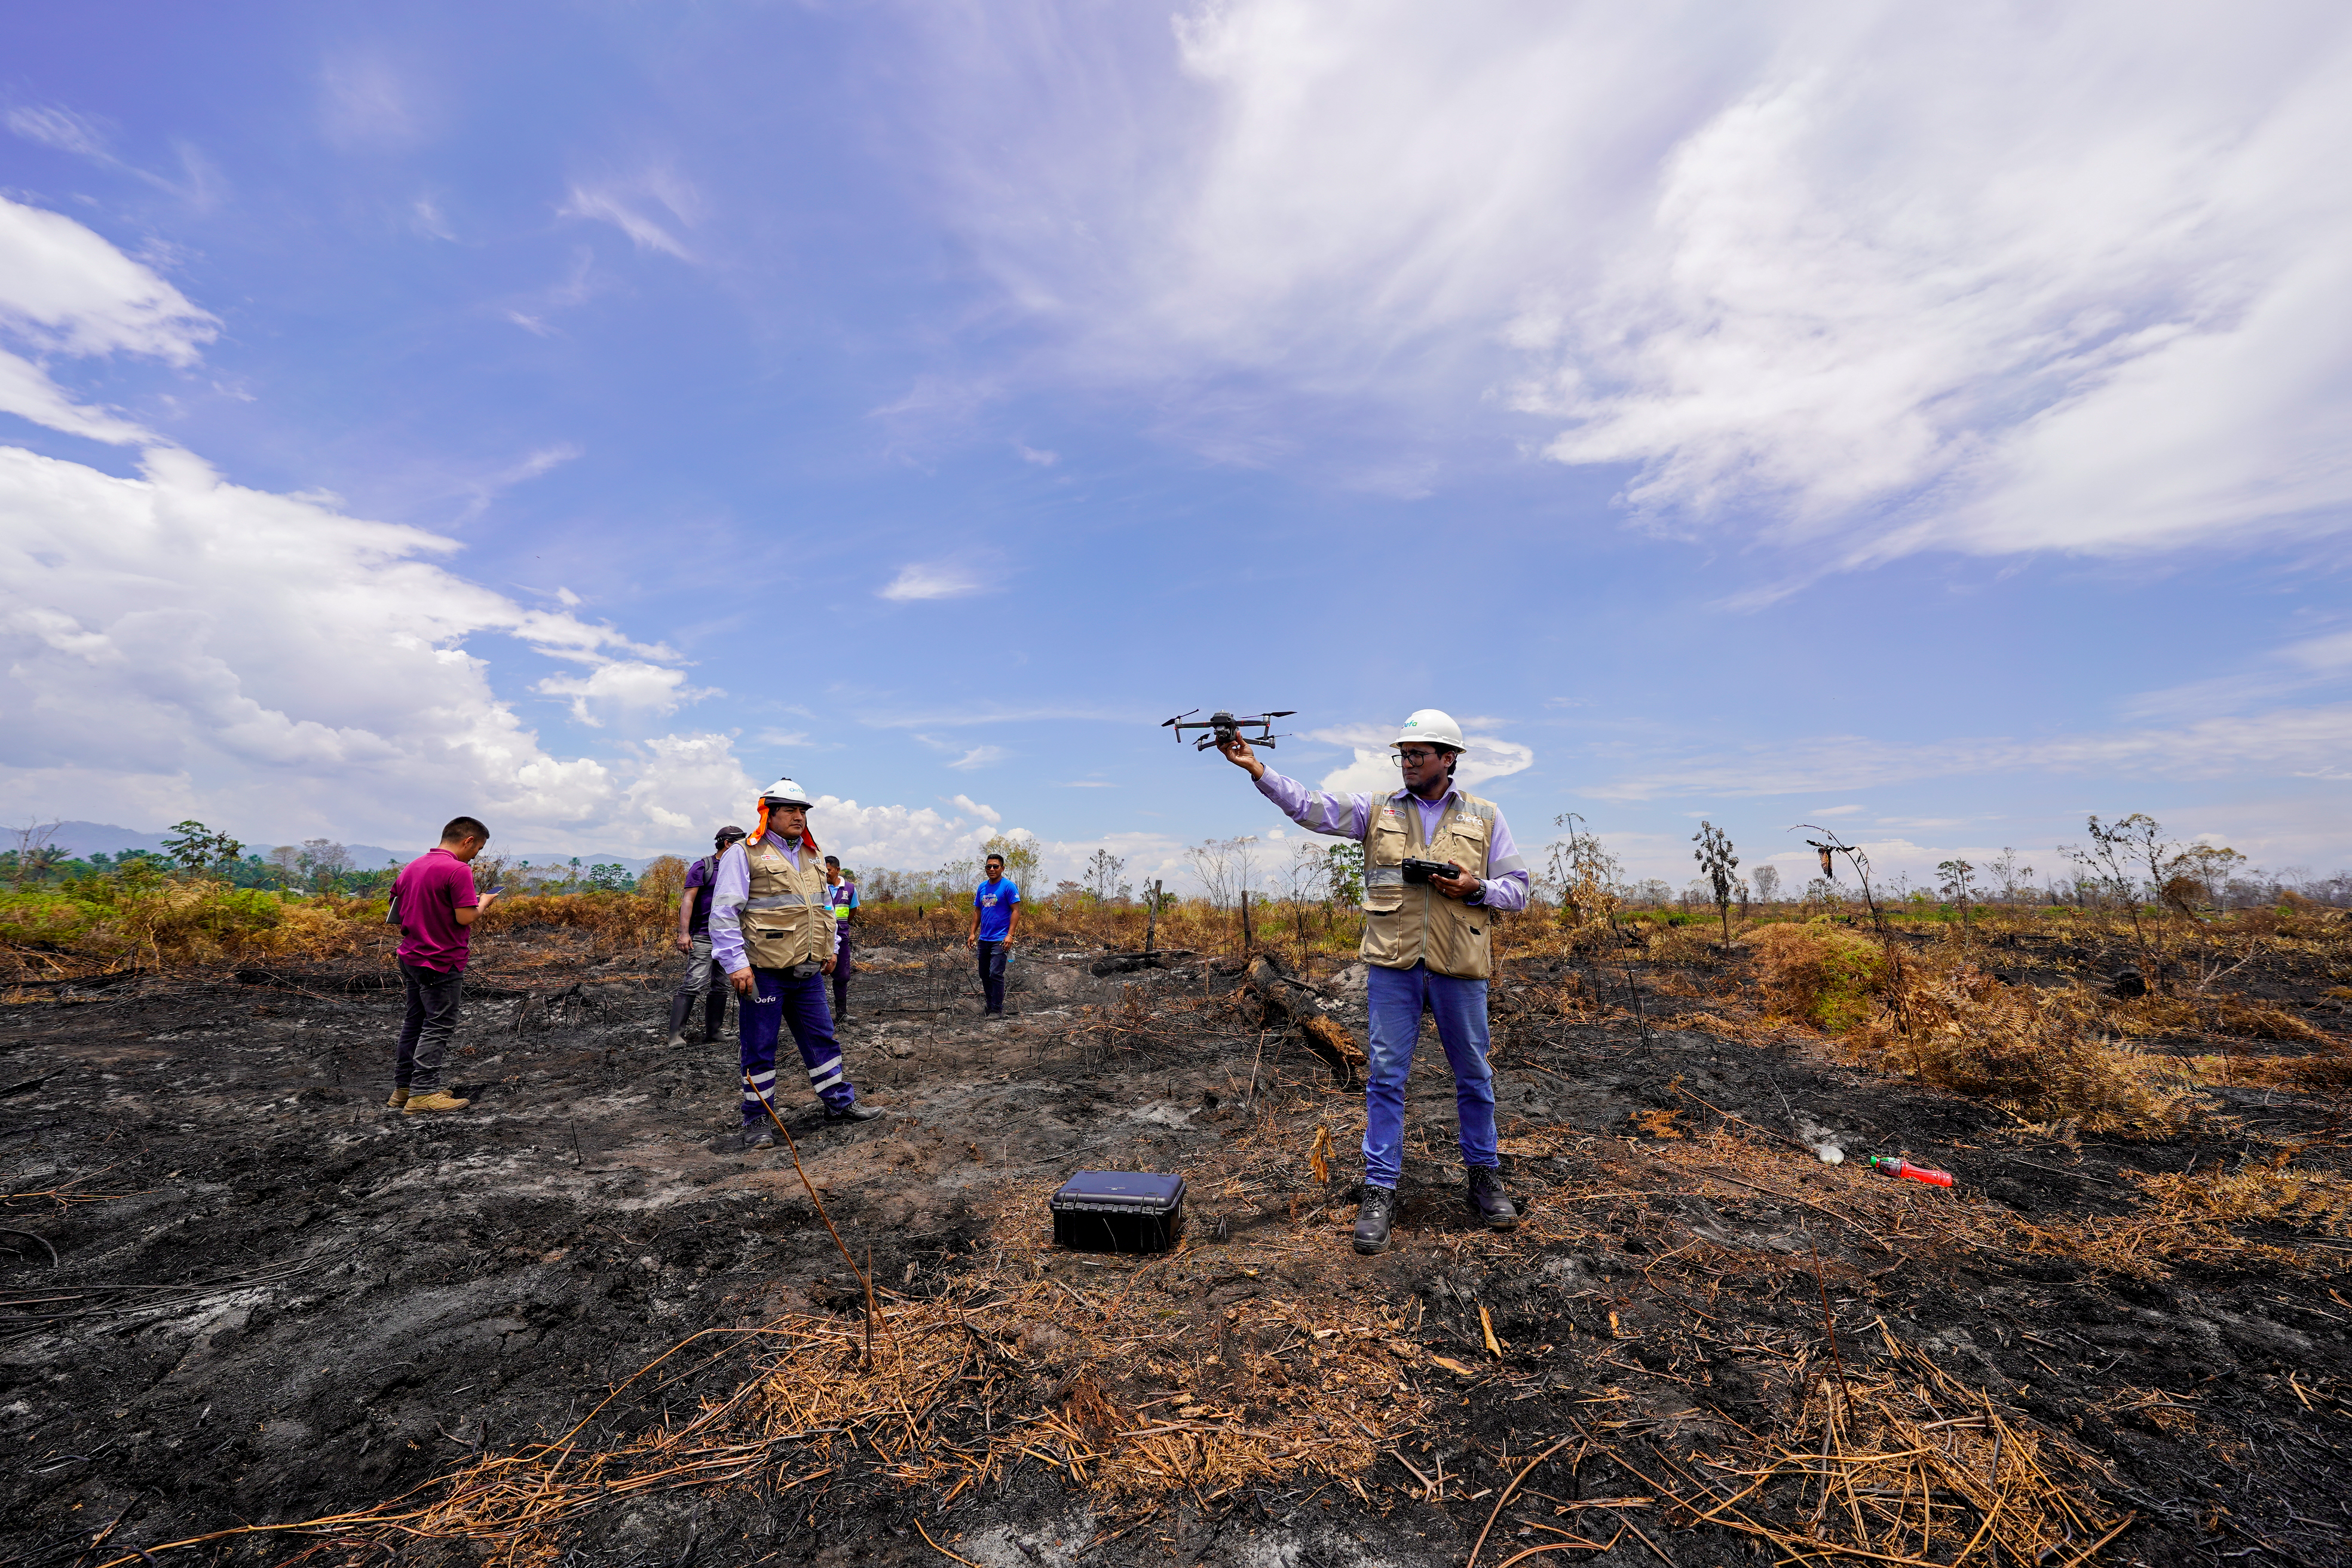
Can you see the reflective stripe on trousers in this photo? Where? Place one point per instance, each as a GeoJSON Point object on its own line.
{"type": "Point", "coordinates": [778, 1001]}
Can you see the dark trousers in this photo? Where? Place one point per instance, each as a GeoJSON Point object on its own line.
{"type": "Point", "coordinates": [779, 1000]}
{"type": "Point", "coordinates": [703, 979]}
{"type": "Point", "coordinates": [432, 1018]}
{"type": "Point", "coordinates": [842, 970]}
{"type": "Point", "coordinates": [992, 955]}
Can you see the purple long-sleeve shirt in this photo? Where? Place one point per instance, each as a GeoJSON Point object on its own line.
{"type": "Point", "coordinates": [730, 890]}
{"type": "Point", "coordinates": [1505, 875]}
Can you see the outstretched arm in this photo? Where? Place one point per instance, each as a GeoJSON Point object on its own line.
{"type": "Point", "coordinates": [1317, 810]}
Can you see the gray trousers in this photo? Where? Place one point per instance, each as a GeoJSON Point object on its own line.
{"type": "Point", "coordinates": [432, 1018]}
{"type": "Point", "coordinates": [704, 982]}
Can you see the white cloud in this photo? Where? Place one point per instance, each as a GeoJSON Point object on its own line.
{"type": "Point", "coordinates": [979, 757]}
{"type": "Point", "coordinates": [987, 814]}
{"type": "Point", "coordinates": [911, 838]}
{"type": "Point", "coordinates": [629, 688]}
{"type": "Point", "coordinates": [64, 289]}
{"type": "Point", "coordinates": [1042, 459]}
{"type": "Point", "coordinates": [481, 492]}
{"type": "Point", "coordinates": [1487, 757]}
{"type": "Point", "coordinates": [614, 206]}
{"type": "Point", "coordinates": [61, 128]}
{"type": "Point", "coordinates": [1861, 279]}
{"type": "Point", "coordinates": [934, 580]}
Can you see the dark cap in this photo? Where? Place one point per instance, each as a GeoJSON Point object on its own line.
{"type": "Point", "coordinates": [729, 833]}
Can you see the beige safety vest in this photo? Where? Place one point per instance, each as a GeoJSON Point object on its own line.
{"type": "Point", "coordinates": [1405, 925]}
{"type": "Point", "coordinates": [787, 919]}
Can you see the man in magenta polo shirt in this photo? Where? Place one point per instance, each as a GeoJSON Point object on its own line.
{"type": "Point", "coordinates": [434, 902]}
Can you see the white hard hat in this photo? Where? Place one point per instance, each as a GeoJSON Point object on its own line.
{"type": "Point", "coordinates": [786, 792]}
{"type": "Point", "coordinates": [1432, 727]}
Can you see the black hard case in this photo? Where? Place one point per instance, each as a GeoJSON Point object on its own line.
{"type": "Point", "coordinates": [1118, 1211]}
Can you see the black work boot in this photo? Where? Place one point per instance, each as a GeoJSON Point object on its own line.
{"type": "Point", "coordinates": [759, 1135]}
{"type": "Point", "coordinates": [1372, 1219]}
{"type": "Point", "coordinates": [855, 1110]}
{"type": "Point", "coordinates": [1486, 1195]}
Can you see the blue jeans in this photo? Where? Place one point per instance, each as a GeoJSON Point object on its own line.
{"type": "Point", "coordinates": [778, 1000]}
{"type": "Point", "coordinates": [1395, 998]}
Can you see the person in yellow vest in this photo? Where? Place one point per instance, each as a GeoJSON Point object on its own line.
{"type": "Point", "coordinates": [1428, 943]}
{"type": "Point", "coordinates": [771, 929]}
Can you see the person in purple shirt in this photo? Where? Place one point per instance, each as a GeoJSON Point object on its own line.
{"type": "Point", "coordinates": [694, 940]}
{"type": "Point", "coordinates": [434, 902]}
{"type": "Point", "coordinates": [1427, 945]}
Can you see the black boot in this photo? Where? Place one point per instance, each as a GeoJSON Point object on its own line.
{"type": "Point", "coordinates": [681, 1011]}
{"type": "Point", "coordinates": [714, 1012]}
{"type": "Point", "coordinates": [1486, 1195]}
{"type": "Point", "coordinates": [855, 1110]}
{"type": "Point", "coordinates": [1372, 1219]}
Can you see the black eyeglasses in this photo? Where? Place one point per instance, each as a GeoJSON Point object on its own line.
{"type": "Point", "coordinates": [1415, 756]}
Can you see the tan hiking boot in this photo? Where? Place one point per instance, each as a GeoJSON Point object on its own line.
{"type": "Point", "coordinates": [399, 1098]}
{"type": "Point", "coordinates": [431, 1101]}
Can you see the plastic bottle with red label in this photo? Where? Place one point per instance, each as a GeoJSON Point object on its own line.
{"type": "Point", "coordinates": [1896, 1166]}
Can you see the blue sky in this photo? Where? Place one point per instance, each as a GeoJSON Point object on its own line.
{"type": "Point", "coordinates": [579, 414]}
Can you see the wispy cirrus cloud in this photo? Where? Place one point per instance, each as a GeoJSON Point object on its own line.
{"type": "Point", "coordinates": [1748, 265]}
{"type": "Point", "coordinates": [625, 205]}
{"type": "Point", "coordinates": [936, 580]}
{"type": "Point", "coordinates": [2306, 742]}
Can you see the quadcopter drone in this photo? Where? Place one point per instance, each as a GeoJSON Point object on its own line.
{"type": "Point", "coordinates": [1223, 727]}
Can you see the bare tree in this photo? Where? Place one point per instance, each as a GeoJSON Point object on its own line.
{"type": "Point", "coordinates": [2112, 862]}
{"type": "Point", "coordinates": [1212, 862]}
{"type": "Point", "coordinates": [326, 861]}
{"type": "Point", "coordinates": [2010, 874]}
{"type": "Point", "coordinates": [1768, 884]}
{"type": "Point", "coordinates": [1306, 875]}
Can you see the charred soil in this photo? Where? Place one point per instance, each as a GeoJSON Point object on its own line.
{"type": "Point", "coordinates": [277, 1304]}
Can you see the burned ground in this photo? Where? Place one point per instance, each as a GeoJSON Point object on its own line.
{"type": "Point", "coordinates": [275, 1301]}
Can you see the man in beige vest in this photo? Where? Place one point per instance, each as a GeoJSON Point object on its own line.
{"type": "Point", "coordinates": [771, 929]}
{"type": "Point", "coordinates": [1428, 944]}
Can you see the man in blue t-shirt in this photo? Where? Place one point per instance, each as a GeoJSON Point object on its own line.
{"type": "Point", "coordinates": [995, 910]}
{"type": "Point", "coordinates": [841, 892]}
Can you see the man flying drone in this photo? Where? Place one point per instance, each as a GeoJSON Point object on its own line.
{"type": "Point", "coordinates": [1439, 866]}
{"type": "Point", "coordinates": [771, 929]}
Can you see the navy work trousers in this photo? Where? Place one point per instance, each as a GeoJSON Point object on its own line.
{"type": "Point", "coordinates": [779, 1001]}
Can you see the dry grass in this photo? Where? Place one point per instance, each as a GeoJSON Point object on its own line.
{"type": "Point", "coordinates": [2023, 1050]}
{"type": "Point", "coordinates": [2189, 1218]}
{"type": "Point", "coordinates": [1899, 1464]}
{"type": "Point", "coordinates": [1818, 972]}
